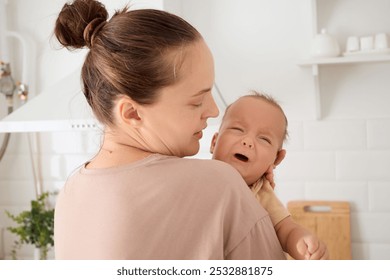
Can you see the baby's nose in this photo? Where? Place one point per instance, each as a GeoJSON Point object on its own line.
{"type": "Point", "coordinates": [247, 143]}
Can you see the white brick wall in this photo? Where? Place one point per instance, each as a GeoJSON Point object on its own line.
{"type": "Point", "coordinates": [378, 134]}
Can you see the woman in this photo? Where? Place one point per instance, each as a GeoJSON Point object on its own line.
{"type": "Point", "coordinates": [148, 78]}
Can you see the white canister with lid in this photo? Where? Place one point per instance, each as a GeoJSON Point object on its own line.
{"type": "Point", "coordinates": [325, 45]}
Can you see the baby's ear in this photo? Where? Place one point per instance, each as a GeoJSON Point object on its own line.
{"type": "Point", "coordinates": [213, 142]}
{"type": "Point", "coordinates": [279, 157]}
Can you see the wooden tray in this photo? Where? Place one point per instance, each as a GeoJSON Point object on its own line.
{"type": "Point", "coordinates": [330, 220]}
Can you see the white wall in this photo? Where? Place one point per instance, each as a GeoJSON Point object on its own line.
{"type": "Point", "coordinates": [256, 45]}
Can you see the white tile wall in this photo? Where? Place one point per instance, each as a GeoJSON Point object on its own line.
{"type": "Point", "coordinates": [378, 134]}
{"type": "Point", "coordinates": [363, 165]}
{"type": "Point", "coordinates": [355, 192]}
{"type": "Point", "coordinates": [335, 135]}
{"type": "Point", "coordinates": [378, 196]}
{"type": "Point", "coordinates": [313, 165]}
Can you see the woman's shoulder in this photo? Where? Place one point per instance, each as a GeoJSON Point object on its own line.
{"type": "Point", "coordinates": [215, 179]}
{"type": "Point", "coordinates": [210, 172]}
{"type": "Point", "coordinates": [205, 167]}
{"type": "Point", "coordinates": [216, 165]}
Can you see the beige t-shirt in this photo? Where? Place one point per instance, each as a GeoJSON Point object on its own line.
{"type": "Point", "coordinates": [265, 194]}
{"type": "Point", "coordinates": [162, 207]}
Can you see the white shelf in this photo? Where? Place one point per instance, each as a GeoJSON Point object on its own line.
{"type": "Point", "coordinates": [372, 56]}
{"type": "Point", "coordinates": [60, 108]}
{"type": "Point", "coordinates": [315, 63]}
{"type": "Point", "coordinates": [345, 59]}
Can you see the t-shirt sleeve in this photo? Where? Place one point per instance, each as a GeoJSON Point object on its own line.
{"type": "Point", "coordinates": [248, 230]}
{"type": "Point", "coordinates": [260, 243]}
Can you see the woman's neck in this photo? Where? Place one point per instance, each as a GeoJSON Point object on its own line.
{"type": "Point", "coordinates": [115, 151]}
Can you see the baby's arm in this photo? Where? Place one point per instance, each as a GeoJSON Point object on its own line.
{"type": "Point", "coordinates": [295, 239]}
{"type": "Point", "coordinates": [299, 242]}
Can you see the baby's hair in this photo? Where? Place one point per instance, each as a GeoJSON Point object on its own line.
{"type": "Point", "coordinates": [267, 98]}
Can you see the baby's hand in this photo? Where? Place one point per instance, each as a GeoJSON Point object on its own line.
{"type": "Point", "coordinates": [311, 248]}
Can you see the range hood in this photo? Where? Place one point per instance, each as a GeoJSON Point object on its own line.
{"type": "Point", "coordinates": [61, 107]}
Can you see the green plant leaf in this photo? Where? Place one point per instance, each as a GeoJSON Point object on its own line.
{"type": "Point", "coordinates": [35, 226]}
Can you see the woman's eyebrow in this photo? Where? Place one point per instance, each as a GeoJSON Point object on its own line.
{"type": "Point", "coordinates": [203, 91]}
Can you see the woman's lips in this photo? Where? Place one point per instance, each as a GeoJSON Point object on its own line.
{"type": "Point", "coordinates": [199, 134]}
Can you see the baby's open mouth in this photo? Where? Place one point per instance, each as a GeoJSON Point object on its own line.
{"type": "Point", "coordinates": [241, 157]}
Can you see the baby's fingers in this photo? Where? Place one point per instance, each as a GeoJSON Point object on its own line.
{"type": "Point", "coordinates": [321, 253]}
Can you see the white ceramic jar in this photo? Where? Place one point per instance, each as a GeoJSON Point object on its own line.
{"type": "Point", "coordinates": [325, 45]}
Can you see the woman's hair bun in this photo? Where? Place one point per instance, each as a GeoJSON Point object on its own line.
{"type": "Point", "coordinates": [78, 23]}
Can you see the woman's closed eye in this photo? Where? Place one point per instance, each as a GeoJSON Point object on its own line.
{"type": "Point", "coordinates": [197, 102]}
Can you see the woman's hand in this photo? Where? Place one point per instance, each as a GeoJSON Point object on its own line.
{"type": "Point", "coordinates": [269, 175]}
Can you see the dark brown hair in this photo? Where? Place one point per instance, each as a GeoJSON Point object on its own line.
{"type": "Point", "coordinates": [131, 54]}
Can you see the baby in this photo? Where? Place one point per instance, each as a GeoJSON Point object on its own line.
{"type": "Point", "coordinates": [251, 139]}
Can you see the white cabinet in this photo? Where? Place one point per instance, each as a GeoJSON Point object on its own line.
{"type": "Point", "coordinates": [315, 63]}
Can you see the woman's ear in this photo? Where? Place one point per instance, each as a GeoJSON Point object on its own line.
{"type": "Point", "coordinates": [127, 111]}
{"type": "Point", "coordinates": [213, 142]}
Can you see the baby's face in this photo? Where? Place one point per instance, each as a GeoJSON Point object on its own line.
{"type": "Point", "coordinates": [250, 137]}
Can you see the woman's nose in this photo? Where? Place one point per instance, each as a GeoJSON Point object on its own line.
{"type": "Point", "coordinates": [247, 142]}
{"type": "Point", "coordinates": [212, 110]}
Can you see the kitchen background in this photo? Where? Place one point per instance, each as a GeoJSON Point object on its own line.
{"type": "Point", "coordinates": [339, 120]}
